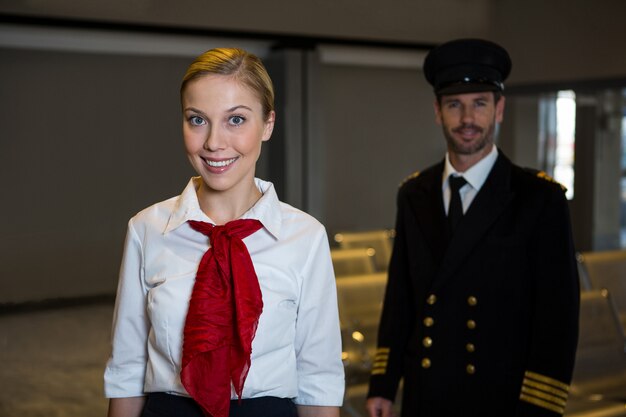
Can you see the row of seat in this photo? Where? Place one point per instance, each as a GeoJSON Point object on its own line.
{"type": "Point", "coordinates": [357, 253]}
{"type": "Point", "coordinates": [599, 384]}
{"type": "Point", "coordinates": [605, 270]}
{"type": "Point", "coordinates": [360, 262]}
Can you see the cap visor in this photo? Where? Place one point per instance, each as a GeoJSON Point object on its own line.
{"type": "Point", "coordinates": [462, 88]}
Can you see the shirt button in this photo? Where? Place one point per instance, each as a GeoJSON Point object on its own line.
{"type": "Point", "coordinates": [426, 363]}
{"type": "Point", "coordinates": [432, 299]}
{"type": "Point", "coordinates": [429, 321]}
{"type": "Point", "coordinates": [472, 301]}
{"type": "Point", "coordinates": [470, 347]}
{"type": "Point", "coordinates": [470, 369]}
{"type": "Point", "coordinates": [471, 324]}
{"type": "Point", "coordinates": [427, 342]}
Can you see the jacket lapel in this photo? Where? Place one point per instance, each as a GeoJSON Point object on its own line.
{"type": "Point", "coordinates": [427, 205]}
{"type": "Point", "coordinates": [489, 203]}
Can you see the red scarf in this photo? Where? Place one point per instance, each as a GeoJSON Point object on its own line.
{"type": "Point", "coordinates": [223, 315]}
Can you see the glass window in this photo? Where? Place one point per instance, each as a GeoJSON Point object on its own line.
{"type": "Point", "coordinates": [565, 140]}
{"type": "Point", "coordinates": [623, 174]}
{"type": "Point", "coordinates": [557, 137]}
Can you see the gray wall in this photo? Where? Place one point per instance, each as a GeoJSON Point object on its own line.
{"type": "Point", "coordinates": [86, 141]}
{"type": "Point", "coordinates": [550, 41]}
{"type": "Point", "coordinates": [562, 40]}
{"type": "Point", "coordinates": [406, 20]}
{"type": "Point", "coordinates": [374, 127]}
{"type": "Point", "coordinates": [89, 138]}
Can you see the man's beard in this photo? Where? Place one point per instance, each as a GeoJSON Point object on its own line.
{"type": "Point", "coordinates": [461, 148]}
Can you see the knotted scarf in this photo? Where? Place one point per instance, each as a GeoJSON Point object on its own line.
{"type": "Point", "coordinates": [223, 315]}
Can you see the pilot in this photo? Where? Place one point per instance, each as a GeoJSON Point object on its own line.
{"type": "Point", "coordinates": [480, 316]}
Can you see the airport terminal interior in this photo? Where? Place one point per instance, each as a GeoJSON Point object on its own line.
{"type": "Point", "coordinates": [90, 135]}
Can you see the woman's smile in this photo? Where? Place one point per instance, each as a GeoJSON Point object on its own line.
{"type": "Point", "coordinates": [219, 165]}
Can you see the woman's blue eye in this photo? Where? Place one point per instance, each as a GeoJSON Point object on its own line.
{"type": "Point", "coordinates": [236, 120]}
{"type": "Point", "coordinates": [196, 120]}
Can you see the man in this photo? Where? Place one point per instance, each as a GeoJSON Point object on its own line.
{"type": "Point", "coordinates": [480, 316]}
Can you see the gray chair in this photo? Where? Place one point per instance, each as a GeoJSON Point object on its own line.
{"type": "Point", "coordinates": [360, 299]}
{"type": "Point", "coordinates": [599, 381]}
{"type": "Point", "coordinates": [583, 275]}
{"type": "Point", "coordinates": [356, 261]}
{"type": "Point", "coordinates": [607, 269]}
{"type": "Point", "coordinates": [360, 305]}
{"type": "Point", "coordinates": [379, 240]}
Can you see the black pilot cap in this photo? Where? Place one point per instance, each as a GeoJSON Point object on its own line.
{"type": "Point", "coordinates": [467, 66]}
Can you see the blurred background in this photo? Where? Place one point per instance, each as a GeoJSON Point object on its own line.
{"type": "Point", "coordinates": [90, 133]}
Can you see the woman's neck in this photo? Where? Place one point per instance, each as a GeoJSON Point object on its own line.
{"type": "Point", "coordinates": [224, 206]}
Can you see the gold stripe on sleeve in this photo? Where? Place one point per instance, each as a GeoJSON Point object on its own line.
{"type": "Point", "coordinates": [380, 361]}
{"type": "Point", "coordinates": [541, 403]}
{"type": "Point", "coordinates": [545, 388]}
{"type": "Point", "coordinates": [547, 380]}
{"type": "Point", "coordinates": [540, 394]}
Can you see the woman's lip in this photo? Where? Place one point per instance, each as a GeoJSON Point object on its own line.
{"type": "Point", "coordinates": [217, 166]}
{"type": "Point", "coordinates": [219, 163]}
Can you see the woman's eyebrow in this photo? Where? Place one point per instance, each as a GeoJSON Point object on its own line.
{"type": "Point", "coordinates": [239, 106]}
{"type": "Point", "coordinates": [232, 109]}
{"type": "Point", "coordinates": [193, 109]}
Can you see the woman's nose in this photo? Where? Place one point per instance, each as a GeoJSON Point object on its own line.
{"type": "Point", "coordinates": [215, 140]}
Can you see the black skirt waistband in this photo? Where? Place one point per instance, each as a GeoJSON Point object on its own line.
{"type": "Point", "coordinates": [160, 404]}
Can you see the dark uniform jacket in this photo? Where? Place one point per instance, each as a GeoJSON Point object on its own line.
{"type": "Point", "coordinates": [485, 322]}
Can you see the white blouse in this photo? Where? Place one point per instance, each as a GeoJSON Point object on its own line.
{"type": "Point", "coordinates": [296, 352]}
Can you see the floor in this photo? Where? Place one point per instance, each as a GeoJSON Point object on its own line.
{"type": "Point", "coordinates": [52, 360]}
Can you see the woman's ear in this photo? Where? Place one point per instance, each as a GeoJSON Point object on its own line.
{"type": "Point", "coordinates": [269, 126]}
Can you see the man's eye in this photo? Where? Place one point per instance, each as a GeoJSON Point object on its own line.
{"type": "Point", "coordinates": [236, 120]}
{"type": "Point", "coordinates": [196, 120]}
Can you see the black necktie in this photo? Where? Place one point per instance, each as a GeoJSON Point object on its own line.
{"type": "Point", "coordinates": [455, 211]}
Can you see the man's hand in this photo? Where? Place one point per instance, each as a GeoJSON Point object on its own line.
{"type": "Point", "coordinates": [379, 407]}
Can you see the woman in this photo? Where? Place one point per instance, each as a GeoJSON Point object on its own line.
{"type": "Point", "coordinates": [226, 294]}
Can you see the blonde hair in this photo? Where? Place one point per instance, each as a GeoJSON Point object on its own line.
{"type": "Point", "coordinates": [243, 66]}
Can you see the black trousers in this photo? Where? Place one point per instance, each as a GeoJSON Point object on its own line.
{"type": "Point", "coordinates": [159, 404]}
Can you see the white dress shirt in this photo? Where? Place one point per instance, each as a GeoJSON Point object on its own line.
{"type": "Point", "coordinates": [296, 352]}
{"type": "Point", "coordinates": [475, 177]}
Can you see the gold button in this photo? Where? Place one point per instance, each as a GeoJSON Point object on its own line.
{"type": "Point", "coordinates": [428, 342]}
{"type": "Point", "coordinates": [470, 347]}
{"type": "Point", "coordinates": [472, 301]}
{"type": "Point", "coordinates": [429, 321]}
{"type": "Point", "coordinates": [471, 324]}
{"type": "Point", "coordinates": [432, 299]}
{"type": "Point", "coordinates": [426, 363]}
{"type": "Point", "coordinates": [471, 369]}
